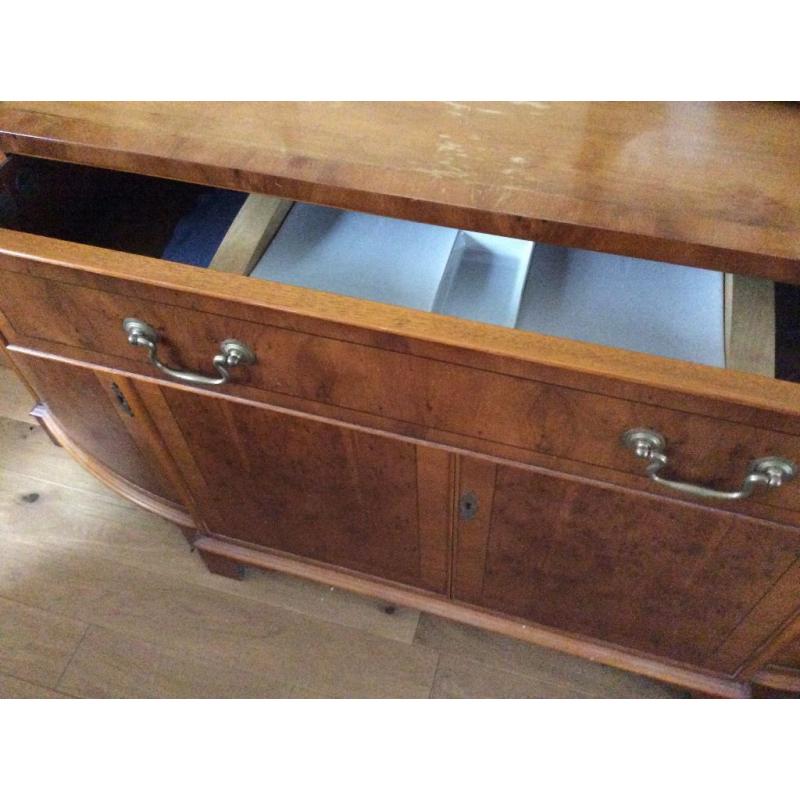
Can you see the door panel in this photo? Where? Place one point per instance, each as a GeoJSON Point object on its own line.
{"type": "Point", "coordinates": [665, 577]}
{"type": "Point", "coordinates": [93, 409]}
{"type": "Point", "coordinates": [319, 490]}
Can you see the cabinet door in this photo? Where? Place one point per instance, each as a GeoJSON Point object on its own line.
{"type": "Point", "coordinates": [664, 577]}
{"type": "Point", "coordinates": [94, 410]}
{"type": "Point", "coordinates": [314, 489]}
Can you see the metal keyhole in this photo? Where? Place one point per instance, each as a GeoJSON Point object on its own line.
{"type": "Point", "coordinates": [121, 399]}
{"type": "Point", "coordinates": [468, 505]}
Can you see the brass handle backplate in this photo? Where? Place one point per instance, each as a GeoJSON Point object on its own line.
{"type": "Point", "coordinates": [232, 354]}
{"type": "Point", "coordinates": [770, 472]}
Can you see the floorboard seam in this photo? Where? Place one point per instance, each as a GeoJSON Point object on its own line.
{"type": "Point", "coordinates": [435, 675]}
{"type": "Point", "coordinates": [49, 547]}
{"type": "Point", "coordinates": [72, 656]}
{"type": "Point", "coordinates": [37, 684]}
{"type": "Point", "coordinates": [105, 497]}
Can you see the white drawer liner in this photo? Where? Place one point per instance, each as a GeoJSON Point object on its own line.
{"type": "Point", "coordinates": [632, 304]}
{"type": "Point", "coordinates": [661, 309]}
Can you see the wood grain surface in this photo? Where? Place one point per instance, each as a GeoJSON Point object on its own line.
{"type": "Point", "coordinates": [253, 228]}
{"type": "Point", "coordinates": [750, 324]}
{"type": "Point", "coordinates": [101, 599]}
{"type": "Point", "coordinates": [496, 408]}
{"type": "Point", "coordinates": [594, 567]}
{"type": "Point", "coordinates": [79, 399]}
{"type": "Point", "coordinates": [709, 184]}
{"type": "Point", "coordinates": [660, 576]}
{"type": "Point", "coordinates": [669, 382]}
{"type": "Point", "coordinates": [317, 490]}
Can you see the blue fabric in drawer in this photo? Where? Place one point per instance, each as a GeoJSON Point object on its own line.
{"type": "Point", "coordinates": [200, 232]}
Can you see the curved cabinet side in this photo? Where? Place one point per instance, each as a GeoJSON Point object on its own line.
{"type": "Point", "coordinates": [116, 482]}
{"type": "Point", "coordinates": [98, 418]}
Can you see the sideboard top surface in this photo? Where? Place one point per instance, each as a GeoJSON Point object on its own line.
{"type": "Point", "coordinates": [709, 184]}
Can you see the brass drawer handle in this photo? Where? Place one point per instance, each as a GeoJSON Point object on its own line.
{"type": "Point", "coordinates": [770, 472]}
{"type": "Point", "coordinates": [232, 354]}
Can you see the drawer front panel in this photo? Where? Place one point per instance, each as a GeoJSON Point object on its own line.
{"type": "Point", "coordinates": [429, 397]}
{"type": "Point", "coordinates": [656, 575]}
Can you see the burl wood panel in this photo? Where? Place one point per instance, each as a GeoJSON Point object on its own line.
{"type": "Point", "coordinates": [659, 576]}
{"type": "Point", "coordinates": [709, 184]}
{"type": "Point", "coordinates": [317, 490]}
{"type": "Point", "coordinates": [427, 398]}
{"type": "Point", "coordinates": [89, 408]}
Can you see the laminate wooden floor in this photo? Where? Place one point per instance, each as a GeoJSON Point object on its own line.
{"type": "Point", "coordinates": [99, 598]}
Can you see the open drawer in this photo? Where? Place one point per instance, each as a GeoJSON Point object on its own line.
{"type": "Point", "coordinates": [662, 309]}
{"type": "Point", "coordinates": [334, 311]}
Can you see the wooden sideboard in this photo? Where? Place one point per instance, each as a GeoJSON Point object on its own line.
{"type": "Point", "coordinates": [458, 447]}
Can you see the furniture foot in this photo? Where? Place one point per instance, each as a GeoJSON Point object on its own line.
{"type": "Point", "coordinates": [190, 534]}
{"type": "Point", "coordinates": [220, 565]}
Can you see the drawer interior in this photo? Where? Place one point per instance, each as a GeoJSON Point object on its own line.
{"type": "Point", "coordinates": [680, 312]}
{"type": "Point", "coordinates": [117, 210]}
{"type": "Point", "coordinates": [427, 267]}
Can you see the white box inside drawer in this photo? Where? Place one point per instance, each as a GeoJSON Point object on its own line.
{"type": "Point", "coordinates": [661, 309]}
{"type": "Point", "coordinates": [359, 255]}
{"type": "Point", "coordinates": [484, 278]}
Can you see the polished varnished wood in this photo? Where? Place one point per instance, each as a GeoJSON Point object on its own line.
{"type": "Point", "coordinates": [348, 449]}
{"type": "Point", "coordinates": [223, 557]}
{"type": "Point", "coordinates": [126, 454]}
{"type": "Point", "coordinates": [772, 624]}
{"type": "Point", "coordinates": [709, 184]}
{"type": "Point", "coordinates": [435, 473]}
{"type": "Point", "coordinates": [111, 478]}
{"type": "Point", "coordinates": [220, 565]}
{"type": "Point", "coordinates": [676, 384]}
{"type": "Point", "coordinates": [592, 649]}
{"type": "Point", "coordinates": [441, 502]}
{"type": "Point", "coordinates": [496, 410]}
{"type": "Point", "coordinates": [79, 401]}
{"type": "Point", "coordinates": [316, 490]}
{"type": "Point", "coordinates": [151, 621]}
{"type": "Point", "coordinates": [656, 575]}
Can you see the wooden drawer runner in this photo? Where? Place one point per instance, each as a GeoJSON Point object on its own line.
{"type": "Point", "coordinates": [417, 396]}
